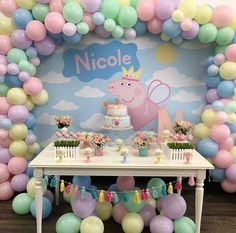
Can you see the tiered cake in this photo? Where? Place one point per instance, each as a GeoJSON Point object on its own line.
{"type": "Point", "coordinates": [117, 117]}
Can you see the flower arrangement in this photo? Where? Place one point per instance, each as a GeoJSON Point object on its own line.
{"type": "Point", "coordinates": [63, 121]}
{"type": "Point", "coordinates": [143, 139]}
{"type": "Point", "coordinates": [182, 131]}
{"type": "Point", "coordinates": [98, 140]}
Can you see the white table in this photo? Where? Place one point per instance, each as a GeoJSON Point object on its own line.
{"type": "Point", "coordinates": [110, 165]}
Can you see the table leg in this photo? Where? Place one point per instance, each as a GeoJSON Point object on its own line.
{"type": "Point", "coordinates": [199, 203]}
{"type": "Point", "coordinates": [38, 174]}
{"type": "Point", "coordinates": [57, 189]}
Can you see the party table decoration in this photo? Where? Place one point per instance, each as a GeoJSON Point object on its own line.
{"type": "Point", "coordinates": [98, 141]}
{"type": "Point", "coordinates": [63, 122]}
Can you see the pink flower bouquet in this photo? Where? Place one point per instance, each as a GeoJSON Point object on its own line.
{"type": "Point", "coordinates": [98, 140]}
{"type": "Point", "coordinates": [143, 139]}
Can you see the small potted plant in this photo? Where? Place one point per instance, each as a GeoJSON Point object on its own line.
{"type": "Point", "coordinates": [142, 141]}
{"type": "Point", "coordinates": [98, 141]}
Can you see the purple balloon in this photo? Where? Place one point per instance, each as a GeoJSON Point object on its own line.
{"type": "Point", "coordinates": [176, 3]}
{"type": "Point", "coordinates": [161, 224]}
{"type": "Point", "coordinates": [3, 60]}
{"type": "Point", "coordinates": [164, 9]}
{"type": "Point", "coordinates": [147, 213]}
{"type": "Point", "coordinates": [160, 203]}
{"type": "Point", "coordinates": [13, 69]}
{"type": "Point", "coordinates": [49, 195]}
{"type": "Point", "coordinates": [102, 32]}
{"type": "Point", "coordinates": [69, 29]}
{"type": "Point", "coordinates": [45, 47]}
{"type": "Point", "coordinates": [18, 113]}
{"type": "Point", "coordinates": [130, 34]}
{"type": "Point", "coordinates": [212, 96]}
{"type": "Point", "coordinates": [24, 76]}
{"type": "Point", "coordinates": [230, 173]}
{"type": "Point", "coordinates": [20, 40]}
{"type": "Point", "coordinates": [90, 6]}
{"type": "Point", "coordinates": [189, 35]}
{"type": "Point", "coordinates": [174, 206]}
{"type": "Point", "coordinates": [83, 207]}
{"type": "Point", "coordinates": [5, 155]}
{"type": "Point", "coordinates": [19, 182]}
{"type": "Point", "coordinates": [30, 139]}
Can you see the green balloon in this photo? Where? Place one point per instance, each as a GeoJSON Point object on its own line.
{"type": "Point", "coordinates": [207, 33]}
{"type": "Point", "coordinates": [134, 3]}
{"type": "Point", "coordinates": [130, 205]}
{"type": "Point", "coordinates": [21, 203]}
{"type": "Point", "coordinates": [158, 184]}
{"type": "Point", "coordinates": [184, 225]}
{"type": "Point", "coordinates": [127, 17]}
{"type": "Point", "coordinates": [27, 67]}
{"type": "Point", "coordinates": [40, 11]}
{"type": "Point", "coordinates": [230, 107]}
{"type": "Point", "coordinates": [68, 223]}
{"type": "Point", "coordinates": [16, 55]}
{"type": "Point", "coordinates": [225, 36]}
{"type": "Point", "coordinates": [73, 12]}
{"type": "Point", "coordinates": [109, 25]}
{"type": "Point", "coordinates": [3, 90]}
{"type": "Point", "coordinates": [110, 8]}
{"type": "Point", "coordinates": [220, 49]}
{"type": "Point", "coordinates": [82, 28]}
{"type": "Point", "coordinates": [118, 32]}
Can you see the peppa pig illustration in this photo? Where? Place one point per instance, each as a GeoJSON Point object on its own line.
{"type": "Point", "coordinates": [143, 106]}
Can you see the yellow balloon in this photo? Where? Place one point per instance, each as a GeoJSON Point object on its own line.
{"type": "Point", "coordinates": [164, 37]}
{"type": "Point", "coordinates": [233, 153]}
{"type": "Point", "coordinates": [92, 224]}
{"type": "Point", "coordinates": [228, 70]}
{"type": "Point", "coordinates": [204, 14]}
{"type": "Point", "coordinates": [201, 131]}
{"type": "Point", "coordinates": [16, 95]}
{"type": "Point", "coordinates": [132, 223]}
{"type": "Point", "coordinates": [178, 15]}
{"type": "Point", "coordinates": [231, 118]}
{"type": "Point", "coordinates": [26, 4]}
{"type": "Point", "coordinates": [18, 148]}
{"type": "Point", "coordinates": [41, 98]}
{"type": "Point", "coordinates": [28, 156]}
{"type": "Point", "coordinates": [233, 23]}
{"type": "Point", "coordinates": [208, 117]}
{"type": "Point", "coordinates": [18, 131]}
{"type": "Point", "coordinates": [7, 27]}
{"type": "Point", "coordinates": [31, 187]}
{"type": "Point", "coordinates": [34, 148]}
{"type": "Point", "coordinates": [152, 202]}
{"type": "Point", "coordinates": [104, 210]}
{"type": "Point", "coordinates": [189, 8]}
{"type": "Point", "coordinates": [29, 104]}
{"type": "Point", "coordinates": [124, 3]}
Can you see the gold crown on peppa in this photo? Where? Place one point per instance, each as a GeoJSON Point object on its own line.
{"type": "Point", "coordinates": [131, 74]}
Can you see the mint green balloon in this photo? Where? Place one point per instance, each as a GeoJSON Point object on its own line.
{"type": "Point", "coordinates": [16, 55]}
{"type": "Point", "coordinates": [82, 28]}
{"type": "Point", "coordinates": [3, 90]}
{"type": "Point", "coordinates": [230, 107]}
{"type": "Point", "coordinates": [110, 8]}
{"type": "Point", "coordinates": [73, 12]}
{"type": "Point", "coordinates": [127, 17]}
{"type": "Point", "coordinates": [220, 49]}
{"type": "Point", "coordinates": [225, 36]}
{"type": "Point", "coordinates": [131, 206]}
{"type": "Point", "coordinates": [27, 67]}
{"type": "Point", "coordinates": [40, 11]}
{"type": "Point", "coordinates": [207, 33]}
{"type": "Point", "coordinates": [109, 25]}
{"type": "Point", "coordinates": [21, 204]}
{"type": "Point", "coordinates": [184, 225]}
{"type": "Point", "coordinates": [68, 223]}
{"type": "Point", "coordinates": [134, 3]}
{"type": "Point", "coordinates": [118, 32]}
{"type": "Point", "coordinates": [158, 184]}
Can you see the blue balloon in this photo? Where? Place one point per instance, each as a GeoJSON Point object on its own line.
{"type": "Point", "coordinates": [178, 40]}
{"type": "Point", "coordinates": [98, 18]}
{"type": "Point", "coordinates": [47, 208]}
{"type": "Point", "coordinates": [21, 17]}
{"type": "Point", "coordinates": [213, 81]}
{"type": "Point", "coordinates": [140, 27]}
{"type": "Point", "coordinates": [82, 181]}
{"type": "Point", "coordinates": [207, 148]}
{"type": "Point", "coordinates": [29, 171]}
{"type": "Point", "coordinates": [234, 39]}
{"type": "Point", "coordinates": [218, 174]}
{"type": "Point", "coordinates": [213, 70]}
{"type": "Point", "coordinates": [232, 127]}
{"type": "Point", "coordinates": [31, 52]}
{"type": "Point", "coordinates": [2, 79]}
{"type": "Point", "coordinates": [30, 122]}
{"type": "Point", "coordinates": [5, 123]}
{"type": "Point", "coordinates": [225, 89]}
{"type": "Point", "coordinates": [210, 60]}
{"type": "Point", "coordinates": [113, 188]}
{"type": "Point", "coordinates": [13, 81]}
{"type": "Point", "coordinates": [171, 28]}
{"type": "Point", "coordinates": [55, 35]}
{"type": "Point", "coordinates": [218, 106]}
{"type": "Point", "coordinates": [73, 39]}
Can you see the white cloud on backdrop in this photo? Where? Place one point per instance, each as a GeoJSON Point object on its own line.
{"type": "Point", "coordinates": [89, 92]}
{"type": "Point", "coordinates": [95, 122]}
{"type": "Point", "coordinates": [192, 45]}
{"type": "Point", "coordinates": [65, 106]}
{"type": "Point", "coordinates": [198, 110]}
{"type": "Point", "coordinates": [45, 119]}
{"type": "Point", "coordinates": [53, 77]}
{"type": "Point", "coordinates": [142, 42]}
{"type": "Point", "coordinates": [185, 96]}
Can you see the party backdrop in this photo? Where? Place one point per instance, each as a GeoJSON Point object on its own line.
{"type": "Point", "coordinates": [78, 80]}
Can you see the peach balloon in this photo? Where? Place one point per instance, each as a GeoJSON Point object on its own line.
{"type": "Point", "coordinates": [186, 25]}
{"type": "Point", "coordinates": [223, 159]}
{"type": "Point", "coordinates": [17, 165]}
{"type": "Point", "coordinates": [7, 7]}
{"type": "Point", "coordinates": [6, 142]}
{"type": "Point", "coordinates": [5, 106]}
{"type": "Point", "coordinates": [5, 44]}
{"type": "Point", "coordinates": [119, 212]}
{"type": "Point", "coordinates": [154, 26]}
{"type": "Point", "coordinates": [87, 18]}
{"type": "Point", "coordinates": [36, 30]}
{"type": "Point", "coordinates": [227, 144]}
{"type": "Point", "coordinates": [4, 173]}
{"type": "Point", "coordinates": [54, 22]}
{"type": "Point", "coordinates": [146, 10]}
{"type": "Point", "coordinates": [56, 5]}
{"type": "Point", "coordinates": [230, 52]}
{"type": "Point", "coordinates": [227, 186]}
{"type": "Point", "coordinates": [219, 133]}
{"type": "Point", "coordinates": [222, 16]}
{"type": "Point", "coordinates": [6, 191]}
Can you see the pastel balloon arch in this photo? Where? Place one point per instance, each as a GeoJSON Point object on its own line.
{"type": "Point", "coordinates": [32, 29]}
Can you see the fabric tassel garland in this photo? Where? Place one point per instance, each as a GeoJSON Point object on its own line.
{"type": "Point", "coordinates": [95, 195]}
{"type": "Point", "coordinates": [170, 188]}
{"type": "Point", "coordinates": [191, 181]}
{"type": "Point", "coordinates": [115, 197]}
{"type": "Point", "coordinates": [62, 186]}
{"type": "Point", "coordinates": [125, 197]}
{"type": "Point", "coordinates": [46, 180]}
{"type": "Point", "coordinates": [83, 193]}
{"type": "Point", "coordinates": [108, 197]}
{"type": "Point", "coordinates": [76, 191]}
{"type": "Point", "coordinates": [101, 197]}
{"type": "Point", "coordinates": [137, 197]}
{"type": "Point", "coordinates": [53, 182]}
{"type": "Point", "coordinates": [163, 190]}
{"type": "Point", "coordinates": [68, 188]}
{"type": "Point", "coordinates": [154, 193]}
{"type": "Point", "coordinates": [143, 195]}
{"type": "Point", "coordinates": [148, 194]}
{"type": "Point", "coordinates": [178, 185]}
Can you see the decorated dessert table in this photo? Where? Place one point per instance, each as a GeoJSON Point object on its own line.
{"type": "Point", "coordinates": [111, 164]}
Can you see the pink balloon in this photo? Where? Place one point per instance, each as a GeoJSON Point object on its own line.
{"type": "Point", "coordinates": [17, 165]}
{"type": "Point", "coordinates": [227, 144]}
{"type": "Point", "coordinates": [223, 159]}
{"type": "Point", "coordinates": [186, 25]}
{"type": "Point", "coordinates": [220, 118]}
{"type": "Point", "coordinates": [6, 142]}
{"type": "Point", "coordinates": [54, 22]}
{"type": "Point", "coordinates": [19, 182]}
{"type": "Point", "coordinates": [4, 173]}
{"type": "Point", "coordinates": [5, 44]}
{"type": "Point", "coordinates": [125, 183]}
{"type": "Point", "coordinates": [230, 173]}
{"type": "Point", "coordinates": [45, 47]}
{"type": "Point", "coordinates": [212, 96]}
{"type": "Point", "coordinates": [5, 105]}
{"type": "Point", "coordinates": [154, 26]}
{"type": "Point", "coordinates": [230, 52]}
{"type": "Point", "coordinates": [3, 60]}
{"type": "Point", "coordinates": [35, 61]}
{"type": "Point", "coordinates": [3, 69]}
{"type": "Point", "coordinates": [33, 86]}
{"type": "Point", "coordinates": [90, 6]}
{"type": "Point", "coordinates": [18, 114]}
{"type": "Point", "coordinates": [222, 16]}
{"type": "Point", "coordinates": [119, 212]}
{"type": "Point", "coordinates": [36, 30]}
{"type": "Point", "coordinates": [20, 39]}
{"type": "Point", "coordinates": [228, 186]}
{"type": "Point", "coordinates": [146, 10]}
{"type": "Point", "coordinates": [219, 133]}
{"type": "Point", "coordinates": [164, 9]}
{"type": "Point", "coordinates": [5, 155]}
{"type": "Point", "coordinates": [7, 7]}
{"type": "Point", "coordinates": [6, 191]}
{"type": "Point", "coordinates": [3, 134]}
{"type": "Point", "coordinates": [56, 5]}
{"type": "Point", "coordinates": [87, 18]}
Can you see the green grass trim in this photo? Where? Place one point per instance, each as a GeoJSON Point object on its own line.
{"type": "Point", "coordinates": [181, 146]}
{"type": "Point", "coordinates": [66, 143]}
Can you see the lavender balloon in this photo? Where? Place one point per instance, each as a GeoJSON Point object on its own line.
{"type": "Point", "coordinates": [5, 155]}
{"type": "Point", "coordinates": [83, 207]}
{"type": "Point", "coordinates": [161, 224]}
{"type": "Point", "coordinates": [189, 35]}
{"type": "Point", "coordinates": [147, 213]}
{"type": "Point", "coordinates": [160, 204]}
{"type": "Point", "coordinates": [18, 113]}
{"type": "Point", "coordinates": [102, 32]}
{"type": "Point", "coordinates": [30, 139]}
{"type": "Point", "coordinates": [90, 6]}
{"type": "Point", "coordinates": [230, 173]}
{"type": "Point", "coordinates": [69, 29]}
{"type": "Point", "coordinates": [45, 47]}
{"type": "Point", "coordinates": [20, 40]}
{"type": "Point", "coordinates": [13, 69]}
{"type": "Point", "coordinates": [130, 34]}
{"type": "Point", "coordinates": [19, 182]}
{"type": "Point", "coordinates": [24, 76]}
